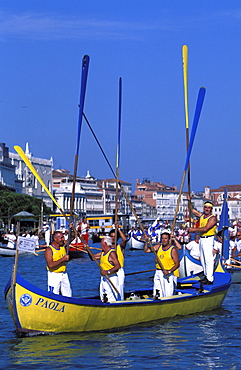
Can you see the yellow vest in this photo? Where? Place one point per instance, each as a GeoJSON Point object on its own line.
{"type": "Point", "coordinates": [104, 260]}
{"type": "Point", "coordinates": [120, 255]}
{"type": "Point", "coordinates": [203, 222]}
{"type": "Point", "coordinates": [57, 254]}
{"type": "Point", "coordinates": [166, 259]}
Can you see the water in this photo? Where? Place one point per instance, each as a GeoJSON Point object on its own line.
{"type": "Point", "coordinates": [206, 341]}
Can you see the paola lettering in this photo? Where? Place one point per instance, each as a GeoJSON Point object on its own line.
{"type": "Point", "coordinates": [51, 305]}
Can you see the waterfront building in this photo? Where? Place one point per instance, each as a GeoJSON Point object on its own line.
{"type": "Point", "coordinates": [108, 190]}
{"type": "Point", "coordinates": [88, 197]}
{"type": "Point", "coordinates": [7, 171]}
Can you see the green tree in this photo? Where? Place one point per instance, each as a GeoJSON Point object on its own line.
{"type": "Point", "coordinates": [12, 203]}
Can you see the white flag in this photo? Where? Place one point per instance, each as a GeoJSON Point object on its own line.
{"type": "Point", "coordinates": [26, 244]}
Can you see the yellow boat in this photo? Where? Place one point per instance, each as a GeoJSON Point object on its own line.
{"type": "Point", "coordinates": [37, 311]}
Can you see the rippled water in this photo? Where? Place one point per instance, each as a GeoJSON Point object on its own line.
{"type": "Point", "coordinates": [206, 341]}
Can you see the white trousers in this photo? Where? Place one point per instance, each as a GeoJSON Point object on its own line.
{"type": "Point", "coordinates": [121, 280]}
{"type": "Point", "coordinates": [165, 285]}
{"type": "Point", "coordinates": [107, 288]}
{"type": "Point", "coordinates": [58, 283]}
{"type": "Point", "coordinates": [206, 256]}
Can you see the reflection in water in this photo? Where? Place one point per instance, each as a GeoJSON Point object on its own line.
{"type": "Point", "coordinates": [206, 341]}
{"type": "Point", "coordinates": [109, 348]}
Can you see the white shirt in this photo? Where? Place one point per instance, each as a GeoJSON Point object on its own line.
{"type": "Point", "coordinates": [238, 245]}
{"type": "Point", "coordinates": [193, 247]}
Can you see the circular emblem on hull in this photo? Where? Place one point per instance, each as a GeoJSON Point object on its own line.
{"type": "Point", "coordinates": [25, 300]}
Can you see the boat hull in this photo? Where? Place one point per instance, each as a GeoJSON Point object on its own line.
{"type": "Point", "coordinates": [8, 252]}
{"type": "Point", "coordinates": [188, 265]}
{"type": "Point", "coordinates": [134, 243]}
{"type": "Point", "coordinates": [37, 311]}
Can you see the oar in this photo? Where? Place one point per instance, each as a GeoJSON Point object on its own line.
{"type": "Point", "coordinates": [197, 114]}
{"type": "Point", "coordinates": [122, 189]}
{"type": "Point", "coordinates": [118, 159]}
{"type": "Point", "coordinates": [185, 83]}
{"type": "Point", "coordinates": [21, 153]}
{"type": "Point", "coordinates": [235, 266]}
{"type": "Point", "coordinates": [232, 259]}
{"type": "Point", "coordinates": [139, 272]}
{"type": "Point", "coordinates": [94, 259]}
{"type": "Point", "coordinates": [85, 67]}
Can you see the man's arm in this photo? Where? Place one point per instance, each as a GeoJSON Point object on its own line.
{"type": "Point", "coordinates": [122, 235]}
{"type": "Point", "coordinates": [193, 210]}
{"type": "Point", "coordinates": [176, 242]}
{"type": "Point", "coordinates": [175, 258]}
{"type": "Point", "coordinates": [114, 261]}
{"type": "Point", "coordinates": [49, 259]}
{"type": "Point", "coordinates": [211, 222]}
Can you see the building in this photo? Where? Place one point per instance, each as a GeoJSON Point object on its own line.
{"type": "Point", "coordinates": [108, 189]}
{"type": "Point", "coordinates": [233, 199]}
{"type": "Point", "coordinates": [30, 185]}
{"type": "Point", "coordinates": [7, 171]}
{"type": "Point", "coordinates": [161, 197]}
{"type": "Point", "coordinates": [88, 198]}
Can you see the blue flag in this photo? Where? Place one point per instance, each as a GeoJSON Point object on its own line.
{"type": "Point", "coordinates": [223, 226]}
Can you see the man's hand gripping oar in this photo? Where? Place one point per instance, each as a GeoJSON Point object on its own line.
{"type": "Point", "coordinates": [93, 258]}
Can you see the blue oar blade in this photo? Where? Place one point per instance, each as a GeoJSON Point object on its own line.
{"type": "Point", "coordinates": [197, 114]}
{"type": "Point", "coordinates": [85, 67]}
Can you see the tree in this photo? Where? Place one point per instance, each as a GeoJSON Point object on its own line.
{"type": "Point", "coordinates": [12, 203]}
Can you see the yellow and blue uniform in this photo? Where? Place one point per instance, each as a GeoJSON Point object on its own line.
{"type": "Point", "coordinates": [165, 285]}
{"type": "Point", "coordinates": [206, 247]}
{"type": "Point", "coordinates": [58, 280]}
{"type": "Point", "coordinates": [105, 264]}
{"type": "Point", "coordinates": [57, 255]}
{"type": "Point", "coordinates": [105, 287]}
{"type": "Point", "coordinates": [203, 222]}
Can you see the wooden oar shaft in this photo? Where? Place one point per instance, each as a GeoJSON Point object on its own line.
{"type": "Point", "coordinates": [178, 200]}
{"type": "Point", "coordinates": [235, 266]}
{"type": "Point", "coordinates": [141, 226]}
{"type": "Point", "coordinates": [94, 259]}
{"type": "Point", "coordinates": [232, 259]}
{"type": "Point", "coordinates": [139, 272]}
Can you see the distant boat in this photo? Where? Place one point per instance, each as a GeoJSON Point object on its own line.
{"type": "Point", "coordinates": [134, 243]}
{"type": "Point", "coordinates": [76, 249]}
{"type": "Point", "coordinates": [188, 264]}
{"type": "Point", "coordinates": [9, 252]}
{"type": "Point", "coordinates": [37, 311]}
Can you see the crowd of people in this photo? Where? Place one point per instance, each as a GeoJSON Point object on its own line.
{"type": "Point", "coordinates": [165, 245]}
{"type": "Point", "coordinates": [158, 239]}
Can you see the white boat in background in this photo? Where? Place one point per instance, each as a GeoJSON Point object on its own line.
{"type": "Point", "coordinates": [188, 264]}
{"type": "Point", "coordinates": [134, 243]}
{"type": "Point", "coordinates": [9, 252]}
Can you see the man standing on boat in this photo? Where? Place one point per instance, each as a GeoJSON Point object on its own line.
{"type": "Point", "coordinates": [56, 258]}
{"type": "Point", "coordinates": [83, 228]}
{"type": "Point", "coordinates": [120, 255]}
{"type": "Point", "coordinates": [165, 280]}
{"type": "Point", "coordinates": [11, 238]}
{"type": "Point", "coordinates": [207, 230]}
{"type": "Point", "coordinates": [109, 265]}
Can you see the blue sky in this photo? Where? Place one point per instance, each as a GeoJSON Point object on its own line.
{"type": "Point", "coordinates": [42, 45]}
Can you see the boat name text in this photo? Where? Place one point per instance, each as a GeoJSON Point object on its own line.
{"type": "Point", "coordinates": [51, 305]}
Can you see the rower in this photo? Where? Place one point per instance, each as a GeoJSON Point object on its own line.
{"type": "Point", "coordinates": [165, 280]}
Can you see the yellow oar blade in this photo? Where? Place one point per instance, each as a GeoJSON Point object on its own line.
{"type": "Point", "coordinates": [185, 79]}
{"type": "Point", "coordinates": [21, 153]}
